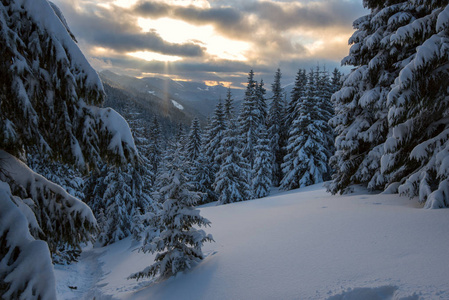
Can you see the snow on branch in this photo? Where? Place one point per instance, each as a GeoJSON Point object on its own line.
{"type": "Point", "coordinates": [60, 216]}
{"type": "Point", "coordinates": [26, 271]}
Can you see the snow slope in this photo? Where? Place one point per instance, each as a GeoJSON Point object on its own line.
{"type": "Point", "coordinates": [303, 244]}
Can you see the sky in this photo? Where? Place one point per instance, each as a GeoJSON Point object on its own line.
{"type": "Point", "coordinates": [212, 41]}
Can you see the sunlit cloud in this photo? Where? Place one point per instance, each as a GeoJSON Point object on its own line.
{"type": "Point", "coordinates": [216, 41]}
{"type": "Point", "coordinates": [153, 56]}
{"type": "Point", "coordinates": [214, 83]}
{"type": "Point", "coordinates": [176, 31]}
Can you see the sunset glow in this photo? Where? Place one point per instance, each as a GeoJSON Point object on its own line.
{"type": "Point", "coordinates": [176, 31]}
{"type": "Point", "coordinates": [216, 42]}
{"type": "Point", "coordinates": [152, 56]}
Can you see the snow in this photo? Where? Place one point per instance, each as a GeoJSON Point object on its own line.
{"type": "Point", "coordinates": [177, 105]}
{"type": "Point", "coordinates": [35, 183]}
{"type": "Point", "coordinates": [117, 126]}
{"type": "Point", "coordinates": [25, 264]}
{"type": "Point", "coordinates": [43, 13]}
{"type": "Point", "coordinates": [443, 19]}
{"type": "Point", "coordinates": [301, 244]}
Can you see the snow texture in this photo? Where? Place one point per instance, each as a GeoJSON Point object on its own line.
{"type": "Point", "coordinates": [26, 271]}
{"type": "Point", "coordinates": [302, 244]}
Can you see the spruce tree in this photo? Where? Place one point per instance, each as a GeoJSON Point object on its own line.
{"type": "Point", "coordinates": [361, 123]}
{"type": "Point", "coordinates": [154, 147]}
{"type": "Point", "coordinates": [26, 271]}
{"type": "Point", "coordinates": [415, 157]}
{"type": "Point", "coordinates": [229, 107]}
{"type": "Point", "coordinates": [249, 119]}
{"type": "Point", "coordinates": [49, 98]}
{"type": "Point", "coordinates": [215, 135]}
{"type": "Point", "coordinates": [276, 128]}
{"type": "Point", "coordinates": [232, 180]}
{"type": "Point", "coordinates": [262, 174]}
{"type": "Point", "coordinates": [297, 95]}
{"type": "Point", "coordinates": [193, 146]}
{"type": "Point", "coordinates": [261, 102]}
{"type": "Point", "coordinates": [308, 147]}
{"type": "Point", "coordinates": [179, 243]}
{"type": "Point", "coordinates": [336, 80]}
{"type": "Point", "coordinates": [203, 172]}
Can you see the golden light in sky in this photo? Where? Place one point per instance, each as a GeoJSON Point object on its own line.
{"type": "Point", "coordinates": [152, 56]}
{"type": "Point", "coordinates": [177, 31]}
{"type": "Point", "coordinates": [197, 3]}
{"type": "Point", "coordinates": [213, 41]}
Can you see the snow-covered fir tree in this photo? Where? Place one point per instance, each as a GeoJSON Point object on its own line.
{"type": "Point", "coordinates": [361, 104]}
{"type": "Point", "coordinates": [336, 80]}
{"type": "Point", "coordinates": [200, 172]}
{"type": "Point", "coordinates": [119, 196]}
{"type": "Point", "coordinates": [229, 106]}
{"type": "Point", "coordinates": [261, 102]}
{"type": "Point", "coordinates": [276, 127]}
{"type": "Point", "coordinates": [262, 173]}
{"type": "Point", "coordinates": [155, 147]}
{"type": "Point", "coordinates": [391, 109]}
{"type": "Point", "coordinates": [232, 180]}
{"type": "Point", "coordinates": [194, 141]}
{"type": "Point", "coordinates": [47, 105]}
{"type": "Point", "coordinates": [26, 271]}
{"type": "Point", "coordinates": [297, 95]}
{"type": "Point", "coordinates": [203, 179]}
{"type": "Point", "coordinates": [415, 159]}
{"type": "Point", "coordinates": [214, 137]}
{"type": "Point", "coordinates": [310, 139]}
{"type": "Point", "coordinates": [179, 243]}
{"type": "Point", "coordinates": [250, 119]}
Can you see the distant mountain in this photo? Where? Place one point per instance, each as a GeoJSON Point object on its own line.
{"type": "Point", "coordinates": [192, 98]}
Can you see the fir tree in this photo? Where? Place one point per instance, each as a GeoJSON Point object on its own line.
{"type": "Point", "coordinates": [154, 147]}
{"type": "Point", "coordinates": [261, 102]}
{"type": "Point", "coordinates": [203, 179]}
{"type": "Point", "coordinates": [276, 128]}
{"type": "Point", "coordinates": [310, 136]}
{"type": "Point", "coordinates": [229, 107]}
{"type": "Point", "coordinates": [26, 271]}
{"type": "Point", "coordinates": [179, 243]}
{"type": "Point", "coordinates": [416, 152]}
{"type": "Point", "coordinates": [232, 180]}
{"type": "Point", "coordinates": [297, 95]}
{"type": "Point", "coordinates": [249, 119]}
{"type": "Point", "coordinates": [215, 135]}
{"type": "Point", "coordinates": [361, 108]}
{"type": "Point", "coordinates": [48, 100]}
{"type": "Point", "coordinates": [193, 146]}
{"type": "Point", "coordinates": [48, 110]}
{"type": "Point", "coordinates": [262, 175]}
{"type": "Point", "coordinates": [336, 80]}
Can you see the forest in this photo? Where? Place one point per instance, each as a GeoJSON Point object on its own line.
{"type": "Point", "coordinates": [74, 172]}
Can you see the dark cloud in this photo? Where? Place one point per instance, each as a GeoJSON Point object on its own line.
{"type": "Point", "coordinates": [272, 28]}
{"type": "Point", "coordinates": [280, 15]}
{"type": "Point", "coordinates": [117, 29]}
{"type": "Point", "coordinates": [284, 16]}
{"type": "Point", "coordinates": [152, 9]}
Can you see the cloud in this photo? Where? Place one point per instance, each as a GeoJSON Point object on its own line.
{"type": "Point", "coordinates": [286, 34]}
{"type": "Point", "coordinates": [117, 29]}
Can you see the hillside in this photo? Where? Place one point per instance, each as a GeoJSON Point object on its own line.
{"type": "Point", "coordinates": [192, 99]}
{"type": "Point", "coordinates": [302, 244]}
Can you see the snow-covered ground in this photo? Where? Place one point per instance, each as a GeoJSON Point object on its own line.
{"type": "Point", "coordinates": [177, 105]}
{"type": "Point", "coordinates": [302, 244]}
